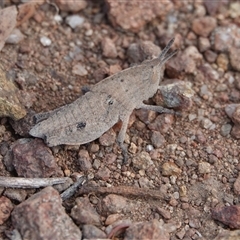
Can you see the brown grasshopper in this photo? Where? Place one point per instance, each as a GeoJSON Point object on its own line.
{"type": "Point", "coordinates": [107, 102]}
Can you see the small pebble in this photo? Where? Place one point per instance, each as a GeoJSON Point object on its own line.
{"type": "Point", "coordinates": [226, 129]}
{"type": "Point", "coordinates": [204, 167]}
{"type": "Point", "coordinates": [142, 161]}
{"type": "Point", "coordinates": [74, 21]}
{"type": "Point", "coordinates": [109, 48]}
{"type": "Point", "coordinates": [15, 37]}
{"type": "Point", "coordinates": [206, 123]}
{"type": "Point", "coordinates": [203, 44]}
{"type": "Point", "coordinates": [170, 168]}
{"type": "Point", "coordinates": [79, 69]}
{"type": "Point", "coordinates": [149, 148]}
{"type": "Point", "coordinates": [96, 164]}
{"type": "Point", "coordinates": [45, 41]}
{"type": "Point", "coordinates": [89, 32]}
{"type": "Point", "coordinates": [157, 139]}
{"type": "Point", "coordinates": [6, 207]}
{"type": "Point", "coordinates": [58, 18]}
{"type": "Point", "coordinates": [192, 116]}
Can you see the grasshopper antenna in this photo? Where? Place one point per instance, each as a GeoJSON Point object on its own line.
{"type": "Point", "coordinates": [163, 57]}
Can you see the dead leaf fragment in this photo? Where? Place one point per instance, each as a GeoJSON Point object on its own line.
{"type": "Point", "coordinates": [27, 10]}
{"type": "Point", "coordinates": [8, 18]}
{"type": "Point", "coordinates": [9, 103]}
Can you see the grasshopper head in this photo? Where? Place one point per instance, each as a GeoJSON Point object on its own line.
{"type": "Point", "coordinates": [158, 63]}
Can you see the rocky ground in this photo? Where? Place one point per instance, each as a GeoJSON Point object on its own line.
{"type": "Point", "coordinates": [182, 179]}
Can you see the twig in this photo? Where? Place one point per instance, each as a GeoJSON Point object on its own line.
{"type": "Point", "coordinates": [122, 190]}
{"type": "Point", "coordinates": [73, 188]}
{"type": "Point", "coordinates": [16, 182]}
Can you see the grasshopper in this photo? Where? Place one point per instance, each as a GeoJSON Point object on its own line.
{"type": "Point", "coordinates": [111, 100]}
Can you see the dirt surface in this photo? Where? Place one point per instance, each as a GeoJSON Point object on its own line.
{"type": "Point", "coordinates": [192, 160]}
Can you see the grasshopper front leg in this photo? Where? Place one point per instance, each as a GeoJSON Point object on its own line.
{"type": "Point", "coordinates": [121, 136]}
{"type": "Point", "coordinates": [156, 108]}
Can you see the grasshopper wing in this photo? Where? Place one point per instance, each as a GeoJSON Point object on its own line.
{"type": "Point", "coordinates": [82, 121]}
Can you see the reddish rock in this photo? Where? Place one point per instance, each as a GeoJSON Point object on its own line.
{"type": "Point", "coordinates": [6, 207]}
{"type": "Point", "coordinates": [209, 72]}
{"type": "Point", "coordinates": [135, 14]}
{"type": "Point", "coordinates": [138, 52]}
{"type": "Point", "coordinates": [18, 195]}
{"type": "Point", "coordinates": [186, 62]}
{"type": "Point", "coordinates": [162, 123]}
{"type": "Point", "coordinates": [114, 69]}
{"type": "Point", "coordinates": [212, 6]}
{"type": "Point", "coordinates": [174, 94]}
{"type": "Point", "coordinates": [101, 73]}
{"type": "Point", "coordinates": [43, 217]}
{"type": "Point", "coordinates": [235, 132]}
{"type": "Point", "coordinates": [84, 160]}
{"type": "Point", "coordinates": [113, 203]}
{"type": "Point", "coordinates": [109, 48]}
{"type": "Point", "coordinates": [229, 215]}
{"type": "Point", "coordinates": [84, 213]}
{"type": "Point", "coordinates": [147, 230]}
{"type": "Point", "coordinates": [203, 44]}
{"type": "Point", "coordinates": [71, 6]}
{"type": "Point", "coordinates": [200, 137]}
{"type": "Point", "coordinates": [103, 173]}
{"type": "Point", "coordinates": [157, 139]}
{"type": "Point", "coordinates": [175, 67]}
{"type": "Point", "coordinates": [203, 26]}
{"type": "Point", "coordinates": [193, 53]}
{"type": "Point", "coordinates": [165, 213]}
{"type": "Point", "coordinates": [32, 158]}
{"type": "Point", "coordinates": [224, 38]}
{"type": "Point", "coordinates": [110, 158]}
{"type": "Point", "coordinates": [210, 56]}
{"type": "Point", "coordinates": [146, 116]}
{"type": "Point", "coordinates": [108, 138]}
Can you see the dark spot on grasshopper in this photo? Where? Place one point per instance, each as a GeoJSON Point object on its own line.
{"type": "Point", "coordinates": [81, 125]}
{"type": "Point", "coordinates": [109, 100]}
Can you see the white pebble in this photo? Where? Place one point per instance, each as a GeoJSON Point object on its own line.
{"type": "Point", "coordinates": [74, 21]}
{"type": "Point", "coordinates": [45, 41]}
{"type": "Point", "coordinates": [58, 18]}
{"type": "Point", "coordinates": [149, 148]}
